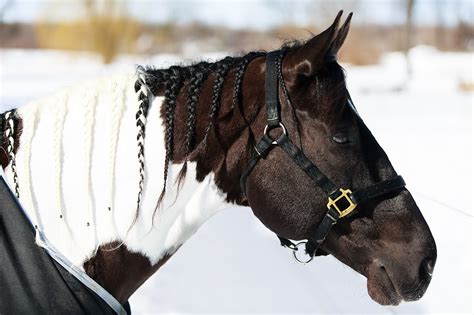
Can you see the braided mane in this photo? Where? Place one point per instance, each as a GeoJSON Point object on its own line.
{"type": "Point", "coordinates": [172, 80]}
{"type": "Point", "coordinates": [170, 83]}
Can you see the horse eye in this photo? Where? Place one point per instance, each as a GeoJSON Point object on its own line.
{"type": "Point", "coordinates": [340, 138]}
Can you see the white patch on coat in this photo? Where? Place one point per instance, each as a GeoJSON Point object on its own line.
{"type": "Point", "coordinates": [65, 168]}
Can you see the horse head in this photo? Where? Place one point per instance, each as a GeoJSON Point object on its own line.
{"type": "Point", "coordinates": [386, 238]}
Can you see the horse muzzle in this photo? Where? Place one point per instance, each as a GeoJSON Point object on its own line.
{"type": "Point", "coordinates": [389, 285]}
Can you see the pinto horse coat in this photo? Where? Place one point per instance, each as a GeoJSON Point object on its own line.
{"type": "Point", "coordinates": [77, 175]}
{"type": "Point", "coordinates": [79, 167]}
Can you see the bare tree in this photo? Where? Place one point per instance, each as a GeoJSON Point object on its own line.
{"type": "Point", "coordinates": [109, 27]}
{"type": "Point", "coordinates": [408, 33]}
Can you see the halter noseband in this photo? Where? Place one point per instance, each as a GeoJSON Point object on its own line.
{"type": "Point", "coordinates": [341, 202]}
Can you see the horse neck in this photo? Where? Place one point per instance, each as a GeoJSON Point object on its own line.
{"type": "Point", "coordinates": [82, 193]}
{"type": "Point", "coordinates": [212, 180]}
{"type": "Point", "coordinates": [227, 148]}
{"type": "Point", "coordinates": [78, 174]}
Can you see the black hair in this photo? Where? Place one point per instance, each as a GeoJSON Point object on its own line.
{"type": "Point", "coordinates": [173, 79]}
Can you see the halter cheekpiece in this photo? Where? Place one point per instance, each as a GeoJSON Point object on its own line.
{"type": "Point", "coordinates": [341, 201]}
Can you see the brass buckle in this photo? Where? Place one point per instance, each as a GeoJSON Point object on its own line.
{"type": "Point", "coordinates": [345, 193]}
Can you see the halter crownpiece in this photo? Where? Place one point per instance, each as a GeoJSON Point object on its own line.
{"type": "Point", "coordinates": [341, 201]}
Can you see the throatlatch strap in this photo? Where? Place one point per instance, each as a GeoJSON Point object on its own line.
{"type": "Point", "coordinates": [266, 144]}
{"type": "Point", "coordinates": [261, 150]}
{"type": "Point", "coordinates": [271, 90]}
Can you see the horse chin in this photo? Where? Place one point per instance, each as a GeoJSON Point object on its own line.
{"type": "Point", "coordinates": [381, 288]}
{"type": "Point", "coordinates": [386, 288]}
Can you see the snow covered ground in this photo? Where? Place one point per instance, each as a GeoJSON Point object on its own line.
{"type": "Point", "coordinates": [235, 265]}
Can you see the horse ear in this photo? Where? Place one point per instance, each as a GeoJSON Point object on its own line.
{"type": "Point", "coordinates": [307, 59]}
{"type": "Point", "coordinates": [340, 38]}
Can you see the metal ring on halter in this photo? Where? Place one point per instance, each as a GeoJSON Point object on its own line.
{"type": "Point", "coordinates": [304, 251]}
{"type": "Point", "coordinates": [266, 130]}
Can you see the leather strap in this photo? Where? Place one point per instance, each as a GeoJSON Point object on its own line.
{"type": "Point", "coordinates": [261, 150]}
{"type": "Point", "coordinates": [307, 166]}
{"type": "Point", "coordinates": [378, 189]}
{"type": "Point", "coordinates": [331, 218]}
{"type": "Point", "coordinates": [266, 144]}
{"type": "Point", "coordinates": [271, 90]}
{"type": "Point", "coordinates": [287, 243]}
{"type": "Point", "coordinates": [359, 196]}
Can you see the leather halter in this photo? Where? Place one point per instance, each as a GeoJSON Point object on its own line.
{"type": "Point", "coordinates": [341, 202]}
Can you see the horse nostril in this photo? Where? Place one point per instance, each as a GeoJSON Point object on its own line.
{"type": "Point", "coordinates": [427, 267]}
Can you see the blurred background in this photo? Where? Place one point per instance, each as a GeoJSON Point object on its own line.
{"type": "Point", "coordinates": [111, 27]}
{"type": "Point", "coordinates": [410, 67]}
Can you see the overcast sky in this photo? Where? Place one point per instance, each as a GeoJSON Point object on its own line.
{"type": "Point", "coordinates": [259, 14]}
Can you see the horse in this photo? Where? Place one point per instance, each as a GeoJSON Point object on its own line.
{"type": "Point", "coordinates": [117, 173]}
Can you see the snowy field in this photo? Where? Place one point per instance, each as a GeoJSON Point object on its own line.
{"type": "Point", "coordinates": [235, 265]}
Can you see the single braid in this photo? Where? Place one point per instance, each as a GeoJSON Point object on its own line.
{"type": "Point", "coordinates": [118, 107]}
{"type": "Point", "coordinates": [279, 61]}
{"type": "Point", "coordinates": [172, 84]}
{"type": "Point", "coordinates": [10, 135]}
{"type": "Point", "coordinates": [222, 69]}
{"type": "Point", "coordinates": [29, 119]}
{"type": "Point", "coordinates": [89, 122]}
{"type": "Point", "coordinates": [199, 73]}
{"type": "Point", "coordinates": [119, 89]}
{"type": "Point", "coordinates": [239, 75]}
{"type": "Point", "coordinates": [143, 92]}
{"type": "Point", "coordinates": [60, 110]}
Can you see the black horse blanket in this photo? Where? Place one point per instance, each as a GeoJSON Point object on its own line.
{"type": "Point", "coordinates": [31, 282]}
